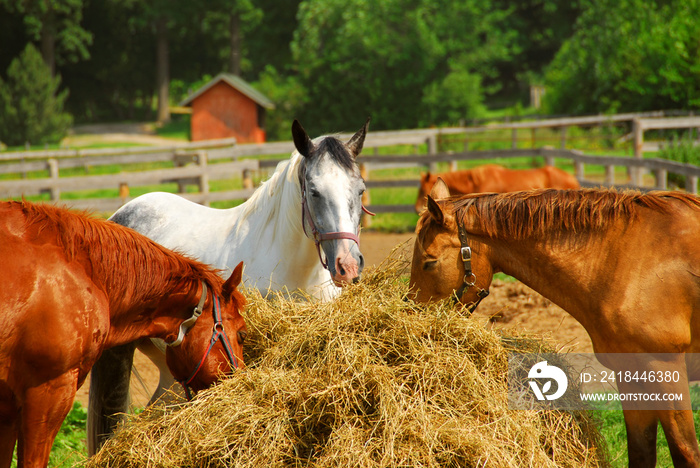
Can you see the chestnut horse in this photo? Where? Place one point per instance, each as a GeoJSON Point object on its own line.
{"type": "Point", "coordinates": [74, 286]}
{"type": "Point", "coordinates": [494, 178]}
{"type": "Point", "coordinates": [625, 265]}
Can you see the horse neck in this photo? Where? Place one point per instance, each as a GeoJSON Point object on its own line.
{"type": "Point", "coordinates": [272, 222]}
{"type": "Point", "coordinates": [144, 283]}
{"type": "Point", "coordinates": [553, 268]}
{"type": "Point", "coordinates": [153, 309]}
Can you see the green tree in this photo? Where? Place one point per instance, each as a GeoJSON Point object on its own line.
{"type": "Point", "coordinates": [228, 22]}
{"type": "Point", "coordinates": [628, 55]}
{"type": "Point", "coordinates": [391, 59]}
{"type": "Point", "coordinates": [287, 94]}
{"type": "Point", "coordinates": [31, 108]}
{"type": "Point", "coordinates": [56, 25]}
{"type": "Point", "coordinates": [540, 28]}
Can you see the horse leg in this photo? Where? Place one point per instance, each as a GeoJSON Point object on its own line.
{"type": "Point", "coordinates": [641, 437]}
{"type": "Point", "coordinates": [155, 351]}
{"type": "Point", "coordinates": [8, 439]}
{"type": "Point", "coordinates": [43, 410]}
{"type": "Point", "coordinates": [680, 433]}
{"type": "Point", "coordinates": [109, 394]}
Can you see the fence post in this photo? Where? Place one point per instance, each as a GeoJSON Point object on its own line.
{"type": "Point", "coordinates": [179, 161]}
{"type": "Point", "coordinates": [610, 175]}
{"type": "Point", "coordinates": [203, 177]}
{"type": "Point", "coordinates": [123, 191]}
{"type": "Point", "coordinates": [638, 130]}
{"type": "Point", "coordinates": [562, 137]}
{"type": "Point", "coordinates": [579, 169]}
{"type": "Point", "coordinates": [548, 158]}
{"type": "Point", "coordinates": [247, 179]}
{"type": "Point", "coordinates": [366, 219]}
{"type": "Point", "coordinates": [691, 184]}
{"type": "Point", "coordinates": [55, 192]}
{"type": "Point", "coordinates": [661, 176]}
{"type": "Point", "coordinates": [514, 138]}
{"type": "Point", "coordinates": [432, 151]}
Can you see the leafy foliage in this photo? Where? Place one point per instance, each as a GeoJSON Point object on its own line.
{"type": "Point", "coordinates": [31, 109]}
{"type": "Point", "coordinates": [332, 63]}
{"type": "Point", "coordinates": [393, 59]}
{"type": "Point", "coordinates": [628, 55]}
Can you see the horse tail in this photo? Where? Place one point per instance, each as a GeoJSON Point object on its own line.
{"type": "Point", "coordinates": [109, 394]}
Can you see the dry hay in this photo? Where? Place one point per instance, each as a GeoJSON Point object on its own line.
{"type": "Point", "coordinates": [368, 380]}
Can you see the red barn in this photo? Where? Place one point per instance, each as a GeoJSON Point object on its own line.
{"type": "Point", "coordinates": [228, 107]}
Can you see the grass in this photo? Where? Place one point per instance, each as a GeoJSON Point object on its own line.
{"type": "Point", "coordinates": [178, 128]}
{"type": "Point", "coordinates": [612, 425]}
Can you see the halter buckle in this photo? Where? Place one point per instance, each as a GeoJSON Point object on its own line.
{"type": "Point", "coordinates": [466, 253]}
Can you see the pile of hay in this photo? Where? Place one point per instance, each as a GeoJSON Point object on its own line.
{"type": "Point", "coordinates": [368, 380]}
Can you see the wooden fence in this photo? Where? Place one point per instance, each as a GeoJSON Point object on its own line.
{"type": "Point", "coordinates": [198, 164]}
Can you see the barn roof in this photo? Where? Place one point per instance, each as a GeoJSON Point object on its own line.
{"type": "Point", "coordinates": [235, 82]}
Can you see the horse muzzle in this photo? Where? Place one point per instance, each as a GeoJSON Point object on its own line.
{"type": "Point", "coordinates": [347, 265]}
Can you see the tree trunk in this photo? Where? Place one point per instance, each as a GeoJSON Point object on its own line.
{"type": "Point", "coordinates": [162, 70]}
{"type": "Point", "coordinates": [48, 42]}
{"type": "Point", "coordinates": [235, 42]}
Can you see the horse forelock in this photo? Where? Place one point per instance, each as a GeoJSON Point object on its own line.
{"type": "Point", "coordinates": [336, 150]}
{"type": "Point", "coordinates": [128, 263]}
{"type": "Point", "coordinates": [519, 215]}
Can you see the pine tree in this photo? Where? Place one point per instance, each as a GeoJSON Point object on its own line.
{"type": "Point", "coordinates": [31, 108]}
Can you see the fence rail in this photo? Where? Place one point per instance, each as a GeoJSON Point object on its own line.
{"type": "Point", "coordinates": [197, 164]}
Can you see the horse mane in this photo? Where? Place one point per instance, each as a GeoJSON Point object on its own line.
{"type": "Point", "coordinates": [278, 197]}
{"type": "Point", "coordinates": [143, 264]}
{"type": "Point", "coordinates": [520, 215]}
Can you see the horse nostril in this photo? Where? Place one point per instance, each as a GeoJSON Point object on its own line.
{"type": "Point", "coordinates": [342, 271]}
{"type": "Point", "coordinates": [362, 262]}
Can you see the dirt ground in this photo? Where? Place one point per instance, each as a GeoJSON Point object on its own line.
{"type": "Point", "coordinates": [510, 305]}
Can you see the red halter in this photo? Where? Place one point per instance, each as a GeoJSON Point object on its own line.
{"type": "Point", "coordinates": [316, 235]}
{"type": "Point", "coordinates": [218, 333]}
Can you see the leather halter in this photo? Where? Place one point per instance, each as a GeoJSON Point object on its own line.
{"type": "Point", "coordinates": [469, 279]}
{"type": "Point", "coordinates": [317, 235]}
{"type": "Point", "coordinates": [218, 333]}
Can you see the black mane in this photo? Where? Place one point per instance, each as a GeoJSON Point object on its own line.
{"type": "Point", "coordinates": [337, 150]}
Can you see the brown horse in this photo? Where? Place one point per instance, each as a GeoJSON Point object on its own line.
{"type": "Point", "coordinates": [625, 265]}
{"type": "Point", "coordinates": [73, 286]}
{"type": "Point", "coordinates": [494, 178]}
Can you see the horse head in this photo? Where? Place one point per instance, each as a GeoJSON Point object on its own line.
{"type": "Point", "coordinates": [210, 345]}
{"type": "Point", "coordinates": [331, 191]}
{"type": "Point", "coordinates": [443, 264]}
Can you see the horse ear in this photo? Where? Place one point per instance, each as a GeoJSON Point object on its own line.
{"type": "Point", "coordinates": [358, 140]}
{"type": "Point", "coordinates": [302, 142]}
{"type": "Point", "coordinates": [440, 189]}
{"type": "Point", "coordinates": [435, 210]}
{"type": "Point", "coordinates": [233, 281]}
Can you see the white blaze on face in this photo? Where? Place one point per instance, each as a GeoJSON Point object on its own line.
{"type": "Point", "coordinates": [333, 195]}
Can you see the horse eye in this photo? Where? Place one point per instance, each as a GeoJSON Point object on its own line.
{"type": "Point", "coordinates": [242, 336]}
{"type": "Point", "coordinates": [314, 193]}
{"type": "Point", "coordinates": [429, 265]}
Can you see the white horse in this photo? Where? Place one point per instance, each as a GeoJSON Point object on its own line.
{"type": "Point", "coordinates": [298, 232]}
